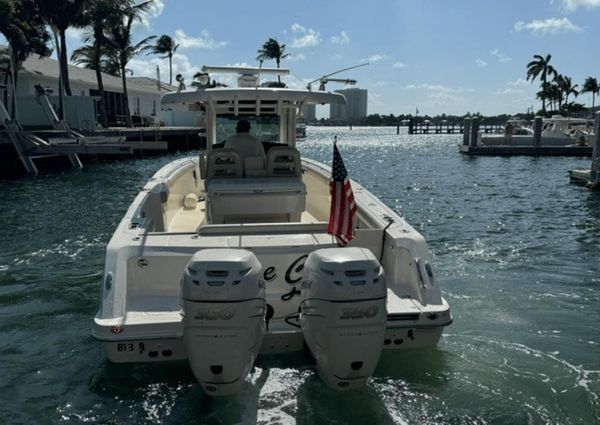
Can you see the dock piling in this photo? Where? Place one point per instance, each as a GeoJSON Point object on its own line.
{"type": "Point", "coordinates": [537, 132]}
{"type": "Point", "coordinates": [474, 131]}
{"type": "Point", "coordinates": [466, 131]}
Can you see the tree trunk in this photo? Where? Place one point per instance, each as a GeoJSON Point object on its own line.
{"type": "Point", "coordinates": [278, 76]}
{"type": "Point", "coordinates": [126, 98]}
{"type": "Point", "coordinates": [170, 69]}
{"type": "Point", "coordinates": [543, 88]}
{"type": "Point", "coordinates": [64, 64]}
{"type": "Point", "coordinates": [6, 73]}
{"type": "Point", "coordinates": [102, 104]}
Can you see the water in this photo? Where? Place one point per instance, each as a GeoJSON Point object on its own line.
{"type": "Point", "coordinates": [516, 252]}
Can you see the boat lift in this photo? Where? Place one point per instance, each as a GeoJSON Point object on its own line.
{"type": "Point", "coordinates": [29, 146]}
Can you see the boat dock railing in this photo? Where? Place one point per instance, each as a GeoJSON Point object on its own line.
{"type": "Point", "coordinates": [428, 127]}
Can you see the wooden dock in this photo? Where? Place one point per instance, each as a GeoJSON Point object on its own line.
{"type": "Point", "coordinates": [447, 128]}
{"type": "Point", "coordinates": [168, 139]}
{"type": "Point", "coordinates": [526, 150]}
{"type": "Point", "coordinates": [451, 129]}
{"type": "Point", "coordinates": [471, 144]}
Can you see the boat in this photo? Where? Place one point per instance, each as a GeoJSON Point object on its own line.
{"type": "Point", "coordinates": [556, 131]}
{"type": "Point", "coordinates": [300, 130]}
{"type": "Point", "coordinates": [219, 260]}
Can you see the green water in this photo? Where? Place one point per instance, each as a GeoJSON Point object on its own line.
{"type": "Point", "coordinates": [516, 251]}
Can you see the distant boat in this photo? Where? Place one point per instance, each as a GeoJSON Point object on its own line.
{"type": "Point", "coordinates": [556, 131]}
{"type": "Point", "coordinates": [300, 130]}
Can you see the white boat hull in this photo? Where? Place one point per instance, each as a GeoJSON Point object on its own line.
{"type": "Point", "coordinates": [140, 317]}
{"type": "Point", "coordinates": [171, 349]}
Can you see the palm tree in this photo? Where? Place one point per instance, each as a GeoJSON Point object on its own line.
{"type": "Point", "coordinates": [567, 87]}
{"type": "Point", "coordinates": [25, 30]}
{"type": "Point", "coordinates": [541, 67]}
{"type": "Point", "coordinates": [554, 95]}
{"type": "Point", "coordinates": [97, 14]}
{"type": "Point", "coordinates": [166, 46]}
{"type": "Point", "coordinates": [85, 56]}
{"type": "Point", "coordinates": [60, 15]}
{"type": "Point", "coordinates": [271, 49]}
{"type": "Point", "coordinates": [548, 92]}
{"type": "Point", "coordinates": [120, 43]}
{"type": "Point", "coordinates": [591, 86]}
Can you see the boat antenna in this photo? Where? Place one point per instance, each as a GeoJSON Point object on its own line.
{"type": "Point", "coordinates": [325, 78]}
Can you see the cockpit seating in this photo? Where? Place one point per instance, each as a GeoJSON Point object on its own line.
{"type": "Point", "coordinates": [272, 194]}
{"type": "Point", "coordinates": [283, 161]}
{"type": "Point", "coordinates": [223, 163]}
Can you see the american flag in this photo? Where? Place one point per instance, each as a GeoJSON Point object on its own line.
{"type": "Point", "coordinates": [343, 207]}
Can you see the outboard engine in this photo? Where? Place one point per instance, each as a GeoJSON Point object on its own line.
{"type": "Point", "coordinates": [343, 314]}
{"type": "Point", "coordinates": [223, 317]}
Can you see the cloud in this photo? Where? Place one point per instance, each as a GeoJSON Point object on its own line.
{"type": "Point", "coordinates": [296, 83]}
{"type": "Point", "coordinates": [500, 56]}
{"type": "Point", "coordinates": [547, 26]}
{"type": "Point", "coordinates": [380, 84]}
{"type": "Point", "coordinates": [436, 88]}
{"type": "Point", "coordinates": [480, 62]}
{"type": "Point", "coordinates": [399, 65]}
{"type": "Point", "coordinates": [337, 56]}
{"type": "Point", "coordinates": [572, 5]}
{"type": "Point", "coordinates": [510, 91]}
{"type": "Point", "coordinates": [374, 99]}
{"type": "Point", "coordinates": [147, 67]}
{"type": "Point", "coordinates": [443, 98]}
{"type": "Point", "coordinates": [519, 82]}
{"type": "Point", "coordinates": [296, 57]}
{"type": "Point", "coordinates": [155, 9]}
{"type": "Point", "coordinates": [203, 41]}
{"type": "Point", "coordinates": [375, 58]}
{"type": "Point", "coordinates": [305, 37]}
{"type": "Point", "coordinates": [341, 39]}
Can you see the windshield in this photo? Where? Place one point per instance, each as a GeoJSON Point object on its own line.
{"type": "Point", "coordinates": [263, 127]}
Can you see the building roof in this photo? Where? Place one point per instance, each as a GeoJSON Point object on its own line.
{"type": "Point", "coordinates": [150, 84]}
{"type": "Point", "coordinates": [48, 67]}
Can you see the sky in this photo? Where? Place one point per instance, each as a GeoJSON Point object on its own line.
{"type": "Point", "coordinates": [440, 56]}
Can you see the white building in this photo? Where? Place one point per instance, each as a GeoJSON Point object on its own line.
{"type": "Point", "coordinates": [309, 113]}
{"type": "Point", "coordinates": [81, 111]}
{"type": "Point", "coordinates": [355, 107]}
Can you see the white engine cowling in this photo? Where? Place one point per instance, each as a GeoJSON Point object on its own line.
{"type": "Point", "coordinates": [223, 317]}
{"type": "Point", "coordinates": [343, 314]}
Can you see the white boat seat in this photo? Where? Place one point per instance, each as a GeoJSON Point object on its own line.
{"type": "Point", "coordinates": [256, 200]}
{"type": "Point", "coordinates": [223, 163]}
{"type": "Point", "coordinates": [283, 161]}
{"type": "Point", "coordinates": [254, 166]}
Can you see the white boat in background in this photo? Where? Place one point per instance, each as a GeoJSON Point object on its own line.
{"type": "Point", "coordinates": [556, 131]}
{"type": "Point", "coordinates": [300, 130]}
{"type": "Point", "coordinates": [224, 256]}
